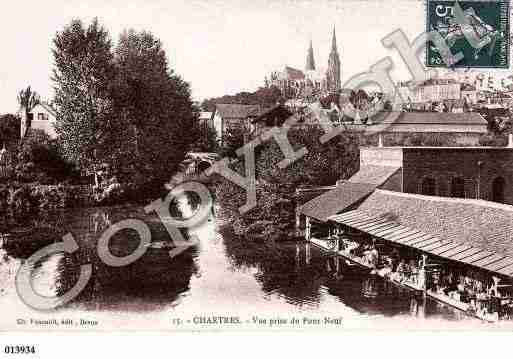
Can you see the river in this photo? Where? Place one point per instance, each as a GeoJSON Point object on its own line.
{"type": "Point", "coordinates": [223, 275]}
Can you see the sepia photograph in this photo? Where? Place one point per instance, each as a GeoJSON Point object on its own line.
{"type": "Point", "coordinates": [264, 166]}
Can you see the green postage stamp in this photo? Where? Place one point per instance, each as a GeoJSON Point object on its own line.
{"type": "Point", "coordinates": [479, 29]}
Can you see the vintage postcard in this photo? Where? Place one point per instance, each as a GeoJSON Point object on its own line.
{"type": "Point", "coordinates": [267, 165]}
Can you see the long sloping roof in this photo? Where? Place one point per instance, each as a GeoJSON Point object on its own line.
{"type": "Point", "coordinates": [477, 222]}
{"type": "Point", "coordinates": [336, 200]}
{"type": "Point", "coordinates": [372, 174]}
{"type": "Point", "coordinates": [237, 111]}
{"type": "Point", "coordinates": [474, 232]}
{"type": "Point", "coordinates": [388, 229]}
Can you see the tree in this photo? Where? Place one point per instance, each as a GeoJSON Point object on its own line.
{"type": "Point", "coordinates": [83, 72]}
{"type": "Point", "coordinates": [264, 96]}
{"type": "Point", "coordinates": [205, 138]}
{"type": "Point", "coordinates": [9, 128]}
{"type": "Point", "coordinates": [39, 160]}
{"type": "Point", "coordinates": [153, 112]}
{"type": "Point", "coordinates": [28, 99]}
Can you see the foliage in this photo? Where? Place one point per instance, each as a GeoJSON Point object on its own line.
{"type": "Point", "coordinates": [499, 120]}
{"type": "Point", "coordinates": [264, 96]}
{"type": "Point", "coordinates": [39, 160]}
{"type": "Point", "coordinates": [82, 74]}
{"type": "Point", "coordinates": [205, 139]}
{"type": "Point", "coordinates": [324, 164]}
{"type": "Point", "coordinates": [124, 107]}
{"type": "Point", "coordinates": [22, 199]}
{"type": "Point", "coordinates": [153, 114]}
{"type": "Point", "coordinates": [28, 99]}
{"type": "Point", "coordinates": [9, 128]}
{"type": "Point", "coordinates": [232, 141]}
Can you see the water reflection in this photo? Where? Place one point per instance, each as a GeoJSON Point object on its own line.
{"type": "Point", "coordinates": [223, 272]}
{"type": "Point", "coordinates": [147, 284]}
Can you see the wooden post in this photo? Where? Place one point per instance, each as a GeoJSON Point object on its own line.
{"type": "Point", "coordinates": [422, 273]}
{"type": "Point", "coordinates": [496, 281]}
{"type": "Point", "coordinates": [308, 228]}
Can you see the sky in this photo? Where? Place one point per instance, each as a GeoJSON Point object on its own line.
{"type": "Point", "coordinates": [218, 46]}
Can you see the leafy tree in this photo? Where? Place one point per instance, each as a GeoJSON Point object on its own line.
{"type": "Point", "coordinates": [39, 160]}
{"type": "Point", "coordinates": [82, 74]}
{"type": "Point", "coordinates": [233, 140]}
{"type": "Point", "coordinates": [9, 128]}
{"type": "Point", "coordinates": [205, 139]}
{"type": "Point", "coordinates": [264, 96]}
{"type": "Point", "coordinates": [153, 112]}
{"type": "Point", "coordinates": [28, 99]}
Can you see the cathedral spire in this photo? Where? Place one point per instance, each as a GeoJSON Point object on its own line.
{"type": "Point", "coordinates": [310, 62]}
{"type": "Point", "coordinates": [333, 75]}
{"type": "Point", "coordinates": [334, 41]}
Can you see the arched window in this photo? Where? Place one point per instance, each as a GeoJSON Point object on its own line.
{"type": "Point", "coordinates": [428, 186]}
{"type": "Point", "coordinates": [498, 190]}
{"type": "Point", "coordinates": [458, 187]}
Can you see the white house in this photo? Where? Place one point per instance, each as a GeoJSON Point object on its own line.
{"type": "Point", "coordinates": [41, 117]}
{"type": "Point", "coordinates": [228, 117]}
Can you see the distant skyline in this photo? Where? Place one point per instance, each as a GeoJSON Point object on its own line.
{"type": "Point", "coordinates": [219, 47]}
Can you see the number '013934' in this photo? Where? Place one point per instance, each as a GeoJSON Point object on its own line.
{"type": "Point", "coordinates": [20, 349]}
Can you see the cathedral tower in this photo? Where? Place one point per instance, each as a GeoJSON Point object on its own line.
{"type": "Point", "coordinates": [333, 81]}
{"type": "Point", "coordinates": [310, 62]}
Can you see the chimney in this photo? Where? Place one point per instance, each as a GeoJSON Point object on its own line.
{"type": "Point", "coordinates": [510, 140]}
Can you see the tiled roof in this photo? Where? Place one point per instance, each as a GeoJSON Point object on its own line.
{"type": "Point", "coordinates": [293, 74]}
{"type": "Point", "coordinates": [237, 111]}
{"type": "Point", "coordinates": [478, 223]}
{"type": "Point", "coordinates": [460, 251]}
{"type": "Point", "coordinates": [279, 112]}
{"type": "Point", "coordinates": [336, 200]}
{"type": "Point", "coordinates": [371, 174]}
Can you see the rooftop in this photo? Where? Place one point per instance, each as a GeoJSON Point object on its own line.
{"type": "Point", "coordinates": [478, 223]}
{"type": "Point", "coordinates": [373, 174]}
{"type": "Point", "coordinates": [336, 200]}
{"type": "Point", "coordinates": [237, 111]}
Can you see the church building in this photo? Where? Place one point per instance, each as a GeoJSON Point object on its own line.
{"type": "Point", "coordinates": [312, 83]}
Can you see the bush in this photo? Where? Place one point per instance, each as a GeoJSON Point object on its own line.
{"type": "Point", "coordinates": [49, 197]}
{"type": "Point", "coordinates": [265, 231]}
{"type": "Point", "coordinates": [22, 199]}
{"type": "Point", "coordinates": [39, 160]}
